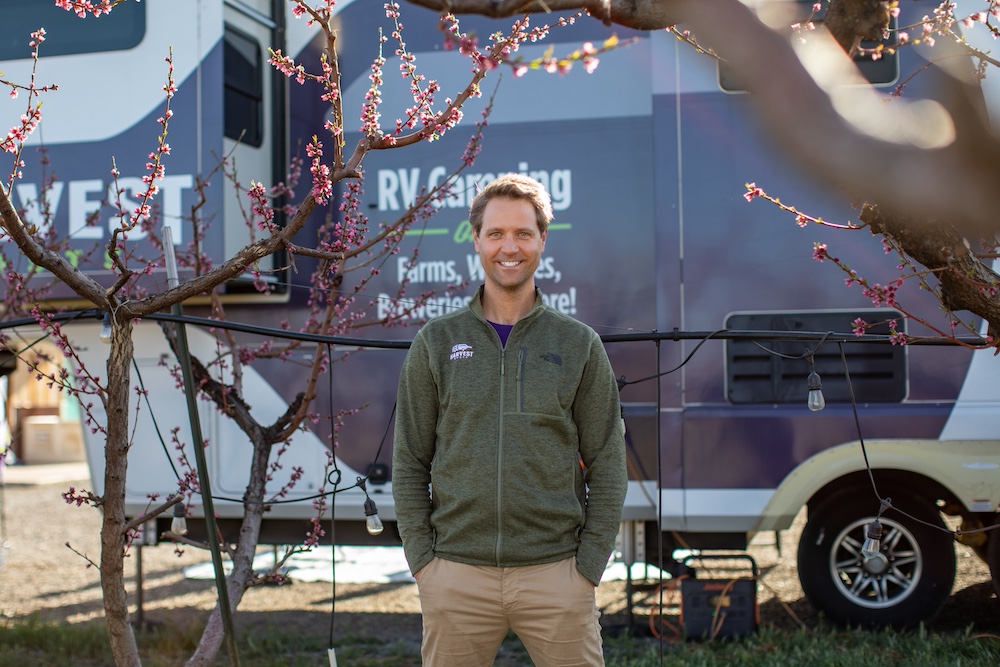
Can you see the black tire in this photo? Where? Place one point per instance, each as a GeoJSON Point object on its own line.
{"type": "Point", "coordinates": [905, 584]}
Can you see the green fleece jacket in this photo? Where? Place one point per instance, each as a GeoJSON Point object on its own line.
{"type": "Point", "coordinates": [489, 442]}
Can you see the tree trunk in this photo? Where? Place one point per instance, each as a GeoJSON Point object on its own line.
{"type": "Point", "coordinates": [964, 278]}
{"type": "Point", "coordinates": [242, 575]}
{"type": "Point", "coordinates": [120, 633]}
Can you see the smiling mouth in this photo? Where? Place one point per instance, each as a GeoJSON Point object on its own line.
{"type": "Point", "coordinates": [509, 264]}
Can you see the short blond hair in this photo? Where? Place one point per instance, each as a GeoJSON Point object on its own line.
{"type": "Point", "coordinates": [513, 186]}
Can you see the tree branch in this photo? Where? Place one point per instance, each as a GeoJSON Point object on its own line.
{"type": "Point", "coordinates": [228, 401]}
{"type": "Point", "coordinates": [318, 254]}
{"type": "Point", "coordinates": [802, 119]}
{"type": "Point", "coordinates": [41, 256]}
{"type": "Point", "coordinates": [964, 278]}
{"type": "Point", "coordinates": [139, 520]}
{"type": "Point", "coordinates": [638, 14]}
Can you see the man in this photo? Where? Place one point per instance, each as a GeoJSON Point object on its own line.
{"type": "Point", "coordinates": [509, 456]}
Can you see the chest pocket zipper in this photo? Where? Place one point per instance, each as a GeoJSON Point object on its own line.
{"type": "Point", "coordinates": [520, 379]}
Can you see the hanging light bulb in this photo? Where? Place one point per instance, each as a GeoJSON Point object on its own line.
{"type": "Point", "coordinates": [178, 525]}
{"type": "Point", "coordinates": [816, 401]}
{"type": "Point", "coordinates": [106, 329]}
{"type": "Point", "coordinates": [873, 540]}
{"type": "Point", "coordinates": [372, 522]}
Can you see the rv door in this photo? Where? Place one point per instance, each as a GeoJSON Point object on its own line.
{"type": "Point", "coordinates": [254, 110]}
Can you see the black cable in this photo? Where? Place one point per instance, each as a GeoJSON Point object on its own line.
{"type": "Point", "coordinates": [886, 503]}
{"type": "Point", "coordinates": [675, 335]}
{"type": "Point", "coordinates": [656, 336]}
{"type": "Point", "coordinates": [857, 422]}
{"type": "Point", "coordinates": [622, 382]}
{"type": "Point", "coordinates": [385, 436]}
{"type": "Point", "coordinates": [4, 545]}
{"type": "Point", "coordinates": [244, 501]}
{"type": "Point", "coordinates": [70, 317]}
{"type": "Point", "coordinates": [156, 427]}
{"type": "Point", "coordinates": [659, 486]}
{"type": "Point", "coordinates": [333, 501]}
{"type": "Point", "coordinates": [333, 570]}
{"type": "Point", "coordinates": [805, 355]}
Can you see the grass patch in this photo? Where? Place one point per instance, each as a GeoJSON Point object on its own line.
{"type": "Point", "coordinates": [32, 641]}
{"type": "Point", "coordinates": [825, 647]}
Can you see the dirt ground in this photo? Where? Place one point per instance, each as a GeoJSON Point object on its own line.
{"type": "Point", "coordinates": [42, 575]}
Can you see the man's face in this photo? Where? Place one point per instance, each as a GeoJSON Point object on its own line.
{"type": "Point", "coordinates": [509, 244]}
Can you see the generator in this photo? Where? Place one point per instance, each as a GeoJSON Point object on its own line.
{"type": "Point", "coordinates": [719, 607]}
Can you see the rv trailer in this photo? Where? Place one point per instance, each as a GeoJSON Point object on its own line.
{"type": "Point", "coordinates": [653, 245]}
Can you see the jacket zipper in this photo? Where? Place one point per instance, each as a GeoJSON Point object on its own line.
{"type": "Point", "coordinates": [503, 355]}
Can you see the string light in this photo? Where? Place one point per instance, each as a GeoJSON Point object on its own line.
{"type": "Point", "coordinates": [106, 331]}
{"type": "Point", "coordinates": [815, 401]}
{"type": "Point", "coordinates": [873, 536]}
{"type": "Point", "coordinates": [873, 540]}
{"type": "Point", "coordinates": [372, 522]}
{"type": "Point", "coordinates": [178, 525]}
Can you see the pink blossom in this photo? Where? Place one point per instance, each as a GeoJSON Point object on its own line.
{"type": "Point", "coordinates": [859, 327]}
{"type": "Point", "coordinates": [896, 337]}
{"type": "Point", "coordinates": [753, 193]}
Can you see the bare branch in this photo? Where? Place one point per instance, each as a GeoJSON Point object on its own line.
{"type": "Point", "coordinates": [139, 520]}
{"type": "Point", "coordinates": [850, 21]}
{"type": "Point", "coordinates": [802, 118]}
{"type": "Point", "coordinates": [318, 254]}
{"type": "Point", "coordinates": [83, 556]}
{"type": "Point", "coordinates": [180, 539]}
{"type": "Point", "coordinates": [964, 277]}
{"type": "Point", "coordinates": [638, 14]}
{"type": "Point", "coordinates": [60, 267]}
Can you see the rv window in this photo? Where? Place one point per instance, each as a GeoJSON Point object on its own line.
{"type": "Point", "coordinates": [883, 71]}
{"type": "Point", "coordinates": [244, 96]}
{"type": "Point", "coordinates": [754, 375]}
{"type": "Point", "coordinates": [65, 33]}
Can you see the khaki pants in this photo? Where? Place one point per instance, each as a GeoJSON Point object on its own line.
{"type": "Point", "coordinates": [468, 609]}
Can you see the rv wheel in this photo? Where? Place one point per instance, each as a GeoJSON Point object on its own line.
{"type": "Point", "coordinates": [906, 583]}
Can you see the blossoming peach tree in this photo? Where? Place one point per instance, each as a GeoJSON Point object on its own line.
{"type": "Point", "coordinates": [345, 240]}
{"type": "Point", "coordinates": [938, 255]}
{"type": "Point", "coordinates": [945, 236]}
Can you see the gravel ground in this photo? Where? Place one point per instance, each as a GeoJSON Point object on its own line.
{"type": "Point", "coordinates": [41, 575]}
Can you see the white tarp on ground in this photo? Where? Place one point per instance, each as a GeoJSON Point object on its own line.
{"type": "Point", "coordinates": [363, 565]}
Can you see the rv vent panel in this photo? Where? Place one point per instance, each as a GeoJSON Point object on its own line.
{"type": "Point", "coordinates": [754, 375]}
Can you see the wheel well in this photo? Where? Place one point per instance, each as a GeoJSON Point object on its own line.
{"type": "Point", "coordinates": [888, 481]}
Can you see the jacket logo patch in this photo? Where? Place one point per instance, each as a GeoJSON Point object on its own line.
{"type": "Point", "coordinates": [552, 358]}
{"type": "Point", "coordinates": [461, 351]}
